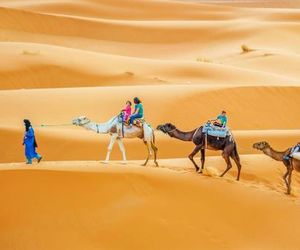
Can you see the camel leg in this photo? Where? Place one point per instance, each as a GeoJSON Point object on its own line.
{"type": "Point", "coordinates": [238, 164]}
{"type": "Point", "coordinates": [227, 159]}
{"type": "Point", "coordinates": [202, 159]}
{"type": "Point", "coordinates": [289, 179]}
{"type": "Point", "coordinates": [191, 156]}
{"type": "Point", "coordinates": [285, 178]}
{"type": "Point", "coordinates": [110, 147]}
{"type": "Point", "coordinates": [122, 148]}
{"type": "Point", "coordinates": [155, 149]}
{"type": "Point", "coordinates": [149, 153]}
{"type": "Point", "coordinates": [288, 166]}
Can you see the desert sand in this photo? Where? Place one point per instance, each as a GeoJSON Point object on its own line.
{"type": "Point", "coordinates": [187, 61]}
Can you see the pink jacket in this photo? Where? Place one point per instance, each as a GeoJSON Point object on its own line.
{"type": "Point", "coordinates": [127, 112]}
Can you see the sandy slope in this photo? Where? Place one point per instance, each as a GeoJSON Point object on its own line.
{"type": "Point", "coordinates": [60, 106]}
{"type": "Point", "coordinates": [62, 59]}
{"type": "Point", "coordinates": [203, 48]}
{"type": "Point", "coordinates": [254, 3]}
{"type": "Point", "coordinates": [49, 66]}
{"type": "Point", "coordinates": [132, 207]}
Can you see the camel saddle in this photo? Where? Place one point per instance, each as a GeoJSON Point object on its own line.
{"type": "Point", "coordinates": [295, 152]}
{"type": "Point", "coordinates": [215, 131]}
{"type": "Point", "coordinates": [139, 122]}
{"type": "Point", "coordinates": [296, 155]}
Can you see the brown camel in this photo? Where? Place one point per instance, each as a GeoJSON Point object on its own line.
{"type": "Point", "coordinates": [202, 142]}
{"type": "Point", "coordinates": [279, 156]}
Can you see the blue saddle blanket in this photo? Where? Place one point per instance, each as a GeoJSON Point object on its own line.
{"type": "Point", "coordinates": [215, 131]}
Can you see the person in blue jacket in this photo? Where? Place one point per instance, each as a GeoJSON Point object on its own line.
{"type": "Point", "coordinates": [221, 120]}
{"type": "Point", "coordinates": [30, 143]}
{"type": "Point", "coordinates": [138, 110]}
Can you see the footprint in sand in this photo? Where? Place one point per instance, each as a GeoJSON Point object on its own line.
{"type": "Point", "coordinates": [30, 52]}
{"type": "Point", "coordinates": [129, 73]}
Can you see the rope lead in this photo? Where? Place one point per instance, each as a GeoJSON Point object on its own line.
{"type": "Point", "coordinates": [53, 125]}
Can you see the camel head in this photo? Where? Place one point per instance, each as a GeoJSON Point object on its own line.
{"type": "Point", "coordinates": [81, 120]}
{"type": "Point", "coordinates": [166, 128]}
{"type": "Point", "coordinates": [261, 145]}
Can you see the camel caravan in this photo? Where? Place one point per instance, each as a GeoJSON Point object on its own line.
{"type": "Point", "coordinates": [213, 135]}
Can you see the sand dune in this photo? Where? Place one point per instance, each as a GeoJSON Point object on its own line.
{"type": "Point", "coordinates": [36, 66]}
{"type": "Point", "coordinates": [168, 206]}
{"type": "Point", "coordinates": [242, 103]}
{"type": "Point", "coordinates": [60, 106]}
{"type": "Point", "coordinates": [187, 61]}
{"type": "Point", "coordinates": [133, 10]}
{"type": "Point", "coordinates": [254, 3]}
{"type": "Point", "coordinates": [199, 34]}
{"type": "Point", "coordinates": [147, 51]}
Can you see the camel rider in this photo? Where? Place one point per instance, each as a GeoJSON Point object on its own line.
{"type": "Point", "coordinates": [221, 120]}
{"type": "Point", "coordinates": [289, 156]}
{"type": "Point", "coordinates": [138, 111]}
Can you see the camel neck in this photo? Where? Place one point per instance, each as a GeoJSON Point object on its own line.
{"type": "Point", "coordinates": [278, 156]}
{"type": "Point", "coordinates": [101, 128]}
{"type": "Point", "coordinates": [183, 136]}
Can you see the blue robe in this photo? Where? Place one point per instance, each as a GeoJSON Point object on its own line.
{"type": "Point", "coordinates": [29, 142]}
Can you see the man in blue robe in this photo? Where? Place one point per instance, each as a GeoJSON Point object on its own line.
{"type": "Point", "coordinates": [30, 143]}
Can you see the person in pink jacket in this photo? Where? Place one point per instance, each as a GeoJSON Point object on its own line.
{"type": "Point", "coordinates": [127, 111]}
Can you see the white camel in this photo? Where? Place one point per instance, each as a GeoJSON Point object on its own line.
{"type": "Point", "coordinates": [114, 128]}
